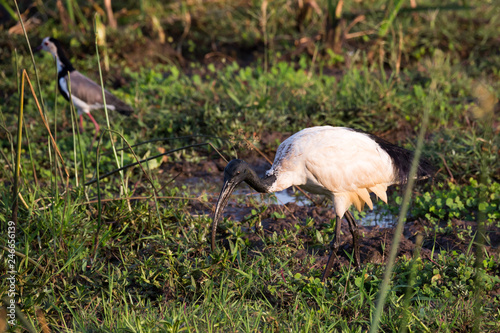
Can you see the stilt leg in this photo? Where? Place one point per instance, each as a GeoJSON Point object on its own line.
{"type": "Point", "coordinates": [334, 246]}
{"type": "Point", "coordinates": [353, 227]}
{"type": "Point", "coordinates": [97, 128]}
{"type": "Point", "coordinates": [81, 123]}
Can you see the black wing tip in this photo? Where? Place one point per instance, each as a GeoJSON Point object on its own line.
{"type": "Point", "coordinates": [120, 106]}
{"type": "Point", "coordinates": [425, 169]}
{"type": "Point", "coordinates": [123, 108]}
{"type": "Point", "coordinates": [125, 112]}
{"type": "Point", "coordinates": [402, 160]}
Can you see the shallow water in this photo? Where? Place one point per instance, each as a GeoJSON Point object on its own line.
{"type": "Point", "coordinates": [379, 216]}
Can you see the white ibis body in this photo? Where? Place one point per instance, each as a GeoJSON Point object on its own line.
{"type": "Point", "coordinates": [85, 93]}
{"type": "Point", "coordinates": [341, 163]}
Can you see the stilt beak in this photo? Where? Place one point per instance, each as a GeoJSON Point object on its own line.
{"type": "Point", "coordinates": [38, 48]}
{"type": "Point", "coordinates": [225, 193]}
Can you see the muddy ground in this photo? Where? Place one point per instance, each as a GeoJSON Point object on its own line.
{"type": "Point", "coordinates": [375, 244]}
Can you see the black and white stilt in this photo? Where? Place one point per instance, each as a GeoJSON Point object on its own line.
{"type": "Point", "coordinates": [85, 93]}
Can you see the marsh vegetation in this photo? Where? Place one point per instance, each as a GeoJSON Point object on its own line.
{"type": "Point", "coordinates": [213, 80]}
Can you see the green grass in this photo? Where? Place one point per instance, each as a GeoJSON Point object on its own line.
{"type": "Point", "coordinates": [151, 269]}
{"type": "Point", "coordinates": [143, 280]}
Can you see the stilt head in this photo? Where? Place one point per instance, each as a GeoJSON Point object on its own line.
{"type": "Point", "coordinates": [49, 44]}
{"type": "Point", "coordinates": [53, 46]}
{"type": "Point", "coordinates": [235, 172]}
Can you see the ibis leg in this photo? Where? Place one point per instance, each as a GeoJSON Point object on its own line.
{"type": "Point", "coordinates": [353, 227]}
{"type": "Point", "coordinates": [334, 246]}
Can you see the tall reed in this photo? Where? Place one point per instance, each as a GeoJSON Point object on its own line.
{"type": "Point", "coordinates": [384, 287]}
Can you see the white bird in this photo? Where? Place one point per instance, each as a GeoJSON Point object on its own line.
{"type": "Point", "coordinates": [85, 93]}
{"type": "Point", "coordinates": [338, 162]}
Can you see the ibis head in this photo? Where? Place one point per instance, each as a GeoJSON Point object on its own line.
{"type": "Point", "coordinates": [235, 173]}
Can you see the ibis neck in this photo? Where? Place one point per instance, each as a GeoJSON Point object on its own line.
{"type": "Point", "coordinates": [261, 185]}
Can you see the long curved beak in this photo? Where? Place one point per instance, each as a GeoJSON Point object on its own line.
{"type": "Point", "coordinates": [225, 193]}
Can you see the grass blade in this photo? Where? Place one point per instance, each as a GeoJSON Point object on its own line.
{"type": "Point", "coordinates": [124, 187]}
{"type": "Point", "coordinates": [15, 188]}
{"type": "Point", "coordinates": [384, 288]}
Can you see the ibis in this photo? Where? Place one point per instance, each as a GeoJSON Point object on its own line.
{"type": "Point", "coordinates": [85, 93]}
{"type": "Point", "coordinates": [341, 163]}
